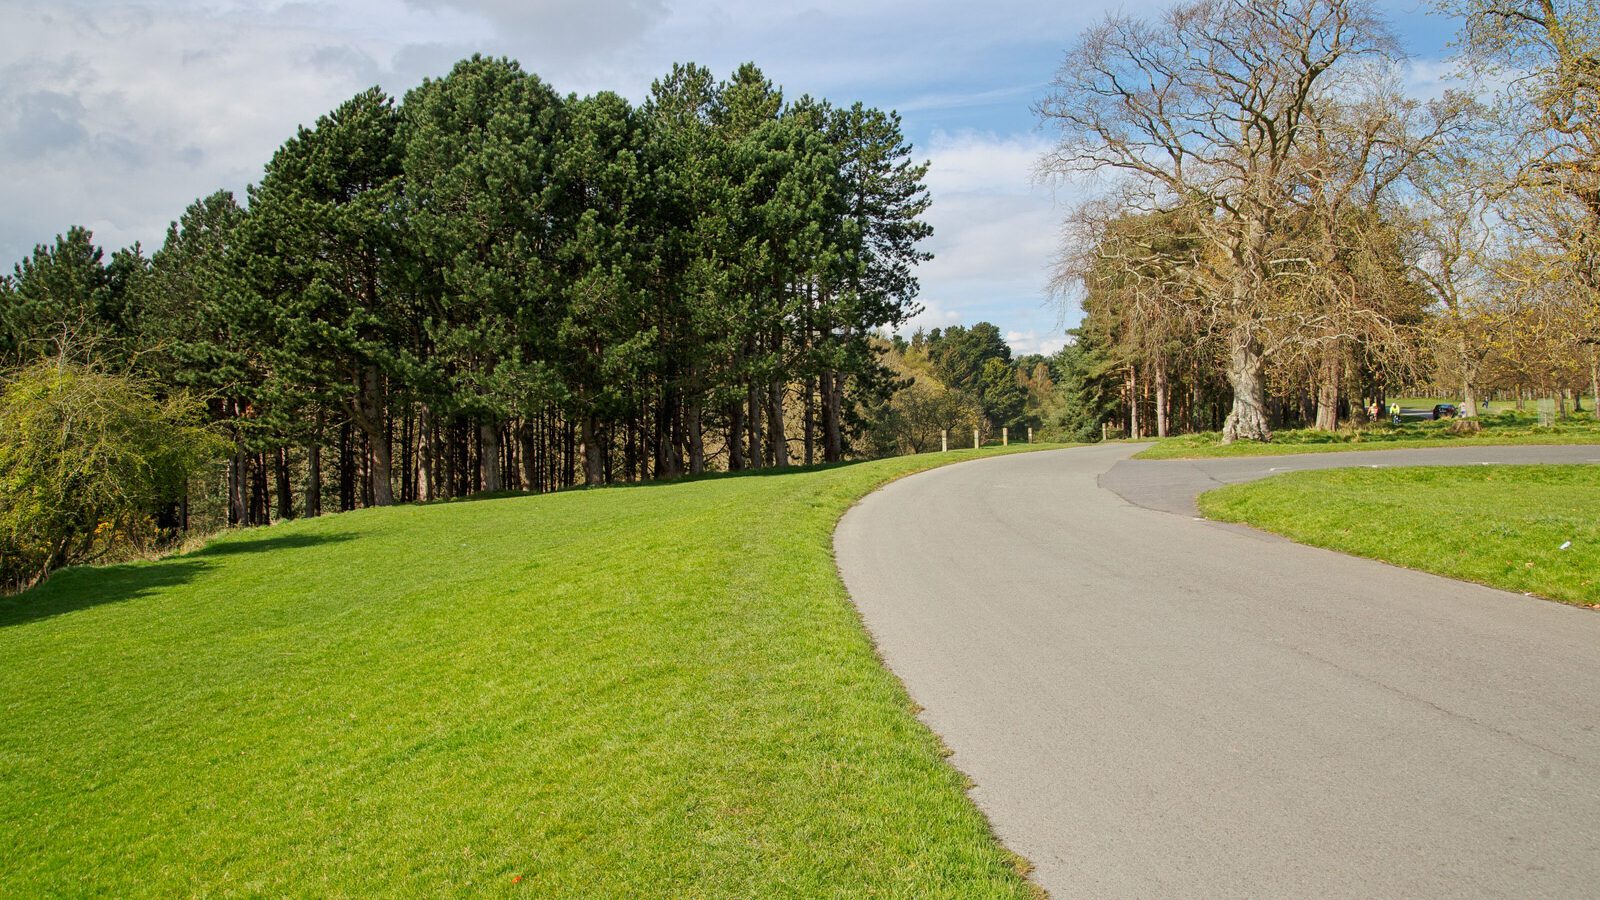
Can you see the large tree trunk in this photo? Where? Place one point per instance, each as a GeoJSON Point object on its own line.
{"type": "Point", "coordinates": [775, 435]}
{"type": "Point", "coordinates": [1247, 376]}
{"type": "Point", "coordinates": [531, 480]}
{"type": "Point", "coordinates": [489, 456]}
{"type": "Point", "coordinates": [1328, 390]}
{"type": "Point", "coordinates": [370, 415]}
{"type": "Point", "coordinates": [592, 462]}
{"type": "Point", "coordinates": [425, 454]}
{"type": "Point", "coordinates": [832, 413]}
{"type": "Point", "coordinates": [697, 437]}
{"type": "Point", "coordinates": [753, 422]}
{"type": "Point", "coordinates": [1130, 386]}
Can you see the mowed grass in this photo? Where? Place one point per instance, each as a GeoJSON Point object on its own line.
{"type": "Point", "coordinates": [639, 691]}
{"type": "Point", "coordinates": [1499, 428]}
{"type": "Point", "coordinates": [1502, 526]}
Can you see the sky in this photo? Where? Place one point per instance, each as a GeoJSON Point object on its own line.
{"type": "Point", "coordinates": [117, 115]}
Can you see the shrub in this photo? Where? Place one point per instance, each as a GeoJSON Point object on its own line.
{"type": "Point", "coordinates": [87, 459]}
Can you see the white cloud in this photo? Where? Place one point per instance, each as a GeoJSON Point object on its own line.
{"type": "Point", "coordinates": [120, 115]}
{"type": "Point", "coordinates": [995, 236]}
{"type": "Point", "coordinates": [1025, 342]}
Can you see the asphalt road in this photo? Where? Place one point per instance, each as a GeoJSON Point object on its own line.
{"type": "Point", "coordinates": [1153, 705]}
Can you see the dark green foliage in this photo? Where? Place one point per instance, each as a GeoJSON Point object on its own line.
{"type": "Point", "coordinates": [1087, 398]}
{"type": "Point", "coordinates": [485, 215]}
{"type": "Point", "coordinates": [1002, 397]}
{"type": "Point", "coordinates": [64, 295]}
{"type": "Point", "coordinates": [959, 354]}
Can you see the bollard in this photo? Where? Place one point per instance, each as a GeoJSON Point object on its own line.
{"type": "Point", "coordinates": [1030, 434]}
{"type": "Point", "coordinates": [1005, 437]}
{"type": "Point", "coordinates": [944, 440]}
{"type": "Point", "coordinates": [974, 438]}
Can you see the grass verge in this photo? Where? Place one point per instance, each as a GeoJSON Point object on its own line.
{"type": "Point", "coordinates": [1504, 526]}
{"type": "Point", "coordinates": [641, 691]}
{"type": "Point", "coordinates": [1501, 428]}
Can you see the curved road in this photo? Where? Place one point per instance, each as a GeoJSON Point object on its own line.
{"type": "Point", "coordinates": [1154, 705]}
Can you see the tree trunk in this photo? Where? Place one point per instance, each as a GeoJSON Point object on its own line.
{"type": "Point", "coordinates": [592, 463]}
{"type": "Point", "coordinates": [314, 481]}
{"type": "Point", "coordinates": [426, 447]}
{"type": "Point", "coordinates": [1130, 384]}
{"type": "Point", "coordinates": [1328, 391]}
{"type": "Point", "coordinates": [811, 419]}
{"type": "Point", "coordinates": [735, 438]}
{"type": "Point", "coordinates": [1246, 374]}
{"type": "Point", "coordinates": [347, 468]}
{"type": "Point", "coordinates": [697, 437]}
{"type": "Point", "coordinates": [1594, 378]}
{"type": "Point", "coordinates": [530, 457]}
{"type": "Point", "coordinates": [281, 476]}
{"type": "Point", "coordinates": [489, 456]}
{"type": "Point", "coordinates": [753, 422]}
{"type": "Point", "coordinates": [260, 513]}
{"type": "Point", "coordinates": [832, 413]}
{"type": "Point", "coordinates": [775, 435]}
{"type": "Point", "coordinates": [1161, 397]}
{"type": "Point", "coordinates": [238, 488]}
{"type": "Point", "coordinates": [370, 413]}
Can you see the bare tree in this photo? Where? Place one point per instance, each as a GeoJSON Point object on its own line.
{"type": "Point", "coordinates": [1545, 55]}
{"type": "Point", "coordinates": [1363, 142]}
{"type": "Point", "coordinates": [1206, 108]}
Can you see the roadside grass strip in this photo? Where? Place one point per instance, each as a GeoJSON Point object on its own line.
{"type": "Point", "coordinates": [1532, 529]}
{"type": "Point", "coordinates": [1499, 429]}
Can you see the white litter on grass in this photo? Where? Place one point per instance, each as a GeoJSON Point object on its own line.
{"type": "Point", "coordinates": [1565, 546]}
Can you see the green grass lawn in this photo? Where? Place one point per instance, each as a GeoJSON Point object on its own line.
{"type": "Point", "coordinates": [638, 691]}
{"type": "Point", "coordinates": [1501, 427]}
{"type": "Point", "coordinates": [1498, 525]}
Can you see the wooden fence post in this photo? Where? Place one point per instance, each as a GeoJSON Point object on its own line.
{"type": "Point", "coordinates": [944, 440]}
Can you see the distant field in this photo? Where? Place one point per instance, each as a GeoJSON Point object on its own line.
{"type": "Point", "coordinates": [1499, 427]}
{"type": "Point", "coordinates": [1503, 526]}
{"type": "Point", "coordinates": [636, 691]}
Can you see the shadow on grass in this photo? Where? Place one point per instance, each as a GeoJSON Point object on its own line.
{"type": "Point", "coordinates": [250, 543]}
{"type": "Point", "coordinates": [654, 482]}
{"type": "Point", "coordinates": [82, 587]}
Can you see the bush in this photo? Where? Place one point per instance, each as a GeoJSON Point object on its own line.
{"type": "Point", "coordinates": [87, 460]}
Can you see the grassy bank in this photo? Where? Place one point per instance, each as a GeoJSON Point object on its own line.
{"type": "Point", "coordinates": [1502, 526]}
{"type": "Point", "coordinates": [1508, 427]}
{"type": "Point", "coordinates": [636, 691]}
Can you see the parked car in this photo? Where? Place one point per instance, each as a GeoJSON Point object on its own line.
{"type": "Point", "coordinates": [1444, 411]}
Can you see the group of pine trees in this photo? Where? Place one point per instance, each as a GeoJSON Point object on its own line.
{"type": "Point", "coordinates": [488, 285]}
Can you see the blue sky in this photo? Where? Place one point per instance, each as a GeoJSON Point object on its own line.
{"type": "Point", "coordinates": [116, 115]}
